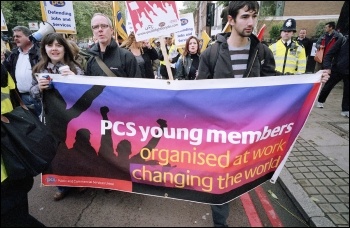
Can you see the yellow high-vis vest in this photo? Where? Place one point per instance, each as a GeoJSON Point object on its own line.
{"type": "Point", "coordinates": [292, 62]}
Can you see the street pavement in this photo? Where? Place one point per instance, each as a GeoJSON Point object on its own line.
{"type": "Point", "coordinates": [316, 175]}
{"type": "Point", "coordinates": [316, 178]}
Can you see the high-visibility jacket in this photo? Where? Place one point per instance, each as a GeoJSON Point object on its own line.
{"type": "Point", "coordinates": [6, 106]}
{"type": "Point", "coordinates": [291, 59]}
{"type": "Point", "coordinates": [173, 54]}
{"type": "Point", "coordinates": [167, 48]}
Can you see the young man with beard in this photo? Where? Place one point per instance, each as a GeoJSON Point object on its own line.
{"type": "Point", "coordinates": [254, 60]}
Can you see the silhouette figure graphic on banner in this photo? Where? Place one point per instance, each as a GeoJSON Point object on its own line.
{"type": "Point", "coordinates": [152, 16]}
{"type": "Point", "coordinates": [160, 12]}
{"type": "Point", "coordinates": [171, 14]}
{"type": "Point", "coordinates": [144, 19]}
{"type": "Point", "coordinates": [121, 162]}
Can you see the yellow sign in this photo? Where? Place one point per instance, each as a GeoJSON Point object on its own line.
{"type": "Point", "coordinates": [227, 28]}
{"type": "Point", "coordinates": [119, 26]}
{"type": "Point", "coordinates": [206, 40]}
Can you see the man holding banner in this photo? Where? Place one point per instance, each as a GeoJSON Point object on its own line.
{"type": "Point", "coordinates": [248, 58]}
{"type": "Point", "coordinates": [117, 61]}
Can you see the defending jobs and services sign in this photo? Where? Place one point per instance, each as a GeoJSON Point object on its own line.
{"type": "Point", "coordinates": [60, 15]}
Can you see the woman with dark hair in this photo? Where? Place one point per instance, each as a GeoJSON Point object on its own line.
{"type": "Point", "coordinates": [55, 52]}
{"type": "Point", "coordinates": [187, 64]}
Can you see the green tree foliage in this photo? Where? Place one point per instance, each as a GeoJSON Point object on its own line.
{"type": "Point", "coordinates": [275, 32]}
{"type": "Point", "coordinates": [189, 7]}
{"type": "Point", "coordinates": [222, 2]}
{"type": "Point", "coordinates": [83, 12]}
{"type": "Point", "coordinates": [20, 13]}
{"type": "Point", "coordinates": [268, 8]}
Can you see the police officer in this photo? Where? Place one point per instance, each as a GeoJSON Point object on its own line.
{"type": "Point", "coordinates": [289, 55]}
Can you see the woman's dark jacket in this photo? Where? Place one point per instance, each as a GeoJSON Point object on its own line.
{"type": "Point", "coordinates": [183, 67]}
{"type": "Point", "coordinates": [148, 56]}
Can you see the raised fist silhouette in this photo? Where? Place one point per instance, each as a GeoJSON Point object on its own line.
{"type": "Point", "coordinates": [104, 110]}
{"type": "Point", "coordinates": [162, 123]}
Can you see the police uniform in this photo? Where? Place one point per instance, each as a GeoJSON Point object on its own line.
{"type": "Point", "coordinates": [290, 57]}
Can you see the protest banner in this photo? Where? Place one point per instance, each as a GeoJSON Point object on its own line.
{"type": "Point", "coordinates": [227, 28]}
{"type": "Point", "coordinates": [146, 136]}
{"type": "Point", "coordinates": [118, 21]}
{"type": "Point", "coordinates": [187, 29]}
{"type": "Point", "coordinates": [33, 25]}
{"type": "Point", "coordinates": [153, 18]}
{"type": "Point", "coordinates": [60, 15]}
{"type": "Point", "coordinates": [261, 32]}
{"type": "Point", "coordinates": [129, 26]}
{"type": "Point", "coordinates": [3, 23]}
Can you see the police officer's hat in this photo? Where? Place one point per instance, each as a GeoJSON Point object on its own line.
{"type": "Point", "coordinates": [289, 25]}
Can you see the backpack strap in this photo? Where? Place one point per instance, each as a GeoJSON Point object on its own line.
{"type": "Point", "coordinates": [104, 67]}
{"type": "Point", "coordinates": [261, 53]}
{"type": "Point", "coordinates": [214, 51]}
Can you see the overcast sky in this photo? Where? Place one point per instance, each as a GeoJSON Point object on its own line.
{"type": "Point", "coordinates": [179, 4]}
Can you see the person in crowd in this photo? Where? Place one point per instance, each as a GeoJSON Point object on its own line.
{"type": "Point", "coordinates": [336, 62]}
{"type": "Point", "coordinates": [156, 62]}
{"type": "Point", "coordinates": [77, 56]}
{"type": "Point", "coordinates": [144, 54]}
{"type": "Point", "coordinates": [224, 14]}
{"type": "Point", "coordinates": [120, 40]}
{"type": "Point", "coordinates": [55, 53]}
{"type": "Point", "coordinates": [200, 43]}
{"type": "Point", "coordinates": [326, 41]}
{"type": "Point", "coordinates": [6, 52]}
{"type": "Point", "coordinates": [306, 42]}
{"type": "Point", "coordinates": [20, 64]}
{"type": "Point", "coordinates": [93, 42]}
{"type": "Point", "coordinates": [14, 193]}
{"type": "Point", "coordinates": [7, 41]}
{"type": "Point", "coordinates": [163, 70]}
{"type": "Point", "coordinates": [289, 55]}
{"type": "Point", "coordinates": [174, 55]}
{"type": "Point", "coordinates": [119, 60]}
{"type": "Point", "coordinates": [242, 19]}
{"type": "Point", "coordinates": [212, 38]}
{"type": "Point", "coordinates": [187, 64]}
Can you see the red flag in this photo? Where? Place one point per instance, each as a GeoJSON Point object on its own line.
{"type": "Point", "coordinates": [261, 32]}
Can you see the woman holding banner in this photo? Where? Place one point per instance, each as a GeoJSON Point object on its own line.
{"type": "Point", "coordinates": [55, 52]}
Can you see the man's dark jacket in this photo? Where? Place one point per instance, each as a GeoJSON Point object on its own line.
{"type": "Point", "coordinates": [223, 66]}
{"type": "Point", "coordinates": [119, 60]}
{"type": "Point", "coordinates": [11, 61]}
{"type": "Point", "coordinates": [337, 58]}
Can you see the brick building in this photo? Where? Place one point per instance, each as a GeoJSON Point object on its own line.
{"type": "Point", "coordinates": [308, 14]}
